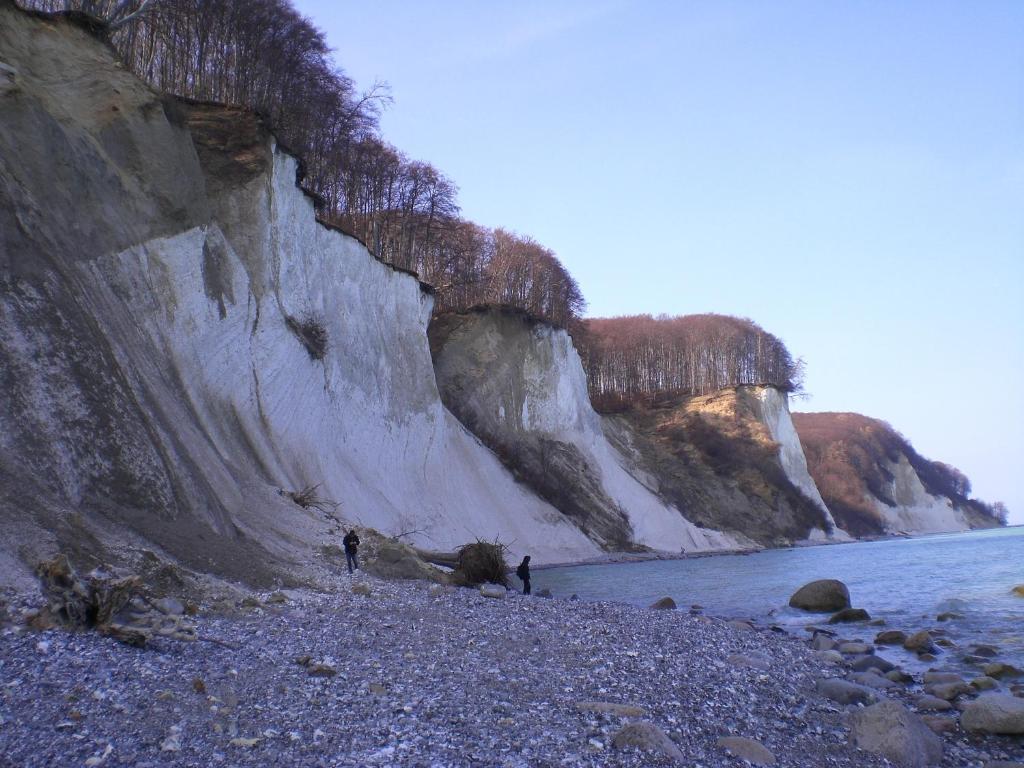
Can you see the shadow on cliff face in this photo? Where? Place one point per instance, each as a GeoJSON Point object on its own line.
{"type": "Point", "coordinates": [713, 459]}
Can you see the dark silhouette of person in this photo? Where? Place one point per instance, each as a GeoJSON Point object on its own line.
{"type": "Point", "coordinates": [523, 572]}
{"type": "Point", "coordinates": [351, 542]}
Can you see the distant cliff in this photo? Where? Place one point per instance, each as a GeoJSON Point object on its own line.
{"type": "Point", "coordinates": [662, 477]}
{"type": "Point", "coordinates": [875, 482]}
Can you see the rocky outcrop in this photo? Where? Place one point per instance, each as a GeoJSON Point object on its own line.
{"type": "Point", "coordinates": [181, 341]}
{"type": "Point", "coordinates": [874, 482]}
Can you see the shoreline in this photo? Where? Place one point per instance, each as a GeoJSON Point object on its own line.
{"type": "Point", "coordinates": [625, 558]}
{"type": "Point", "coordinates": [390, 673]}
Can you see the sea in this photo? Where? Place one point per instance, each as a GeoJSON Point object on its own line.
{"type": "Point", "coordinates": [907, 582]}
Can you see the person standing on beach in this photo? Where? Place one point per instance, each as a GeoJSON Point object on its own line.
{"type": "Point", "coordinates": [351, 542]}
{"type": "Point", "coordinates": [523, 572]}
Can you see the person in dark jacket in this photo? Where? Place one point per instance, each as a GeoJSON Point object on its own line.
{"type": "Point", "coordinates": [523, 572]}
{"type": "Point", "coordinates": [351, 542]}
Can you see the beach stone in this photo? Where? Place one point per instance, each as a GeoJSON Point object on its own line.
{"type": "Point", "coordinates": [970, 658]}
{"type": "Point", "coordinates": [754, 752]}
{"type": "Point", "coordinates": [1018, 590]}
{"type": "Point", "coordinates": [987, 651]}
{"type": "Point", "coordinates": [755, 662]}
{"type": "Point", "coordinates": [855, 649]}
{"type": "Point", "coordinates": [864, 663]}
{"type": "Point", "coordinates": [321, 669]}
{"type": "Point", "coordinates": [620, 710]}
{"type": "Point", "coordinates": [849, 615]}
{"type": "Point", "coordinates": [999, 670]}
{"type": "Point", "coordinates": [545, 593]}
{"type": "Point", "coordinates": [823, 643]}
{"type": "Point", "coordinates": [646, 736]}
{"type": "Point", "coordinates": [873, 680]}
{"type": "Point", "coordinates": [876, 623]}
{"type": "Point", "coordinates": [894, 732]}
{"type": "Point", "coordinates": [994, 713]}
{"type": "Point", "coordinates": [821, 596]}
{"type": "Point", "coordinates": [932, 704]}
{"type": "Point", "coordinates": [948, 616]}
{"type": "Point", "coordinates": [984, 683]}
{"type": "Point", "coordinates": [830, 657]}
{"type": "Point", "coordinates": [924, 656]}
{"type": "Point", "coordinates": [664, 604]}
{"type": "Point", "coordinates": [899, 676]}
{"type": "Point", "coordinates": [945, 642]}
{"type": "Point", "coordinates": [948, 691]}
{"type": "Point", "coordinates": [845, 692]}
{"type": "Point", "coordinates": [919, 641]}
{"type": "Point", "coordinates": [932, 677]}
{"type": "Point", "coordinates": [940, 724]}
{"type": "Point", "coordinates": [495, 591]}
{"type": "Point", "coordinates": [891, 637]}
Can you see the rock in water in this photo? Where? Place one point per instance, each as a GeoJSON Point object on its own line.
{"type": "Point", "coordinates": [920, 642]}
{"type": "Point", "coordinates": [994, 713]}
{"type": "Point", "coordinates": [822, 596]}
{"type": "Point", "coordinates": [849, 614]}
{"type": "Point", "coordinates": [1018, 590]}
{"type": "Point", "coordinates": [664, 604]}
{"type": "Point", "coordinates": [891, 637]}
{"type": "Point", "coordinates": [891, 730]}
{"type": "Point", "coordinates": [749, 750]}
{"type": "Point", "coordinates": [493, 590]}
{"type": "Point", "coordinates": [646, 736]}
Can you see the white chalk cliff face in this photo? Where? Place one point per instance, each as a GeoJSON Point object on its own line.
{"type": "Point", "coordinates": [155, 388]}
{"type": "Point", "coordinates": [519, 385]}
{"type": "Point", "coordinates": [916, 510]}
{"type": "Point", "coordinates": [774, 414]}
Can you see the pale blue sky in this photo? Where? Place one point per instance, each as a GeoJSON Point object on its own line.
{"type": "Point", "coordinates": [850, 175]}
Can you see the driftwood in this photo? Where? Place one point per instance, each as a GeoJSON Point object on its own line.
{"type": "Point", "coordinates": [104, 603]}
{"type": "Point", "coordinates": [444, 559]}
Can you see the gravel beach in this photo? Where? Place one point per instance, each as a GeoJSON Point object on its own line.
{"type": "Point", "coordinates": [413, 674]}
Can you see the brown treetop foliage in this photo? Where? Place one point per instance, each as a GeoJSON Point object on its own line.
{"type": "Point", "coordinates": [264, 55]}
{"type": "Point", "coordinates": [632, 359]}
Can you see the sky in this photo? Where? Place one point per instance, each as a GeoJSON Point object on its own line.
{"type": "Point", "coordinates": [849, 175]}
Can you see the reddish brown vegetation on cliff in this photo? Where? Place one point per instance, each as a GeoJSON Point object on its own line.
{"type": "Point", "coordinates": [632, 360]}
{"type": "Point", "coordinates": [849, 455]}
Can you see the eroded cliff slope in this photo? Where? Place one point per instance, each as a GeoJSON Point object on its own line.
{"type": "Point", "coordinates": [634, 479]}
{"type": "Point", "coordinates": [180, 340]}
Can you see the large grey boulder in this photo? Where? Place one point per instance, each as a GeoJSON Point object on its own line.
{"type": "Point", "coordinates": [894, 732]}
{"type": "Point", "coordinates": [647, 736]}
{"type": "Point", "coordinates": [822, 596]}
{"type": "Point", "coordinates": [994, 713]}
{"type": "Point", "coordinates": [845, 692]}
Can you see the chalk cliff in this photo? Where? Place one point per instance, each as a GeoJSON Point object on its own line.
{"type": "Point", "coordinates": [180, 340]}
{"type": "Point", "coordinates": [634, 479]}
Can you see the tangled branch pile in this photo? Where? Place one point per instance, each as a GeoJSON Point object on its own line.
{"type": "Point", "coordinates": [104, 603]}
{"type": "Point", "coordinates": [307, 499]}
{"type": "Point", "coordinates": [480, 562]}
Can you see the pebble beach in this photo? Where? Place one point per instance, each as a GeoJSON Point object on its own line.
{"type": "Point", "coordinates": [412, 674]}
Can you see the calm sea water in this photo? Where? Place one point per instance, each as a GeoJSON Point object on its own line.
{"type": "Point", "coordinates": [907, 582]}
